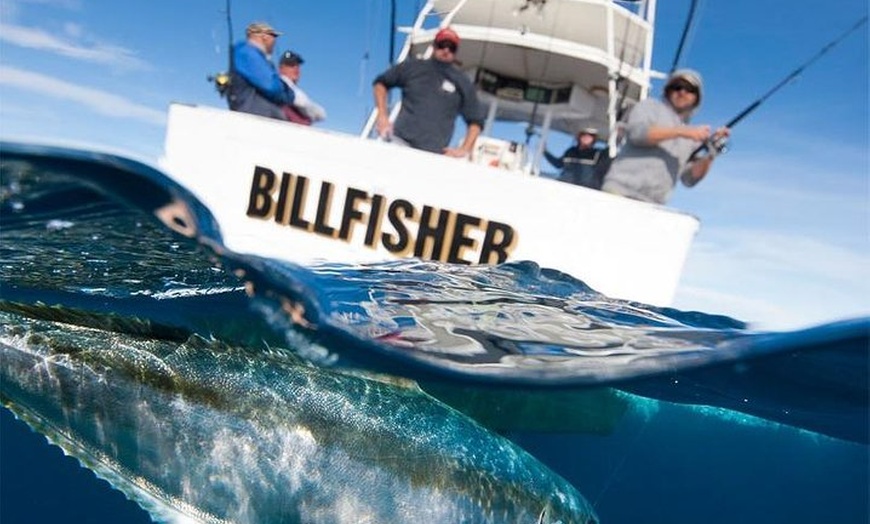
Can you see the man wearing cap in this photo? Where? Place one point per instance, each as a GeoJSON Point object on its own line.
{"type": "Point", "coordinates": [581, 164]}
{"type": "Point", "coordinates": [255, 86]}
{"type": "Point", "coordinates": [659, 142]}
{"type": "Point", "coordinates": [304, 110]}
{"type": "Point", "coordinates": [434, 93]}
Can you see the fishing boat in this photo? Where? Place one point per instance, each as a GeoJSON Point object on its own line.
{"type": "Point", "coordinates": [541, 67]}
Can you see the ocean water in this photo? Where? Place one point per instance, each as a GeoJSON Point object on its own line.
{"type": "Point", "coordinates": [651, 414]}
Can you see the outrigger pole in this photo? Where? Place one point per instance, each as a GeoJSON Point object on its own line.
{"type": "Point", "coordinates": [222, 80]}
{"type": "Point", "coordinates": [392, 49]}
{"type": "Point", "coordinates": [754, 105]}
{"type": "Point", "coordinates": [230, 37]}
{"type": "Point", "coordinates": [689, 21]}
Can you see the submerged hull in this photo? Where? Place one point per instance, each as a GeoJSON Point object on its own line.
{"type": "Point", "coordinates": [309, 196]}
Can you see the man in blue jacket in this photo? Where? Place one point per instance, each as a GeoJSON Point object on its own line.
{"type": "Point", "coordinates": [255, 86]}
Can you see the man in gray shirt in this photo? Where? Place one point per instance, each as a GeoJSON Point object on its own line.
{"type": "Point", "coordinates": [659, 142]}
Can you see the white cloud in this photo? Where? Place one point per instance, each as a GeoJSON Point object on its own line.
{"type": "Point", "coordinates": [71, 47]}
{"type": "Point", "coordinates": [736, 305]}
{"type": "Point", "coordinates": [822, 196]}
{"type": "Point", "coordinates": [74, 30]}
{"type": "Point", "coordinates": [794, 177]}
{"type": "Point", "coordinates": [776, 280]}
{"type": "Point", "coordinates": [785, 239]}
{"type": "Point", "coordinates": [99, 101]}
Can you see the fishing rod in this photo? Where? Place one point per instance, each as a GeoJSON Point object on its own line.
{"type": "Point", "coordinates": [222, 80]}
{"type": "Point", "coordinates": [229, 37]}
{"type": "Point", "coordinates": [620, 83]}
{"type": "Point", "coordinates": [719, 144]}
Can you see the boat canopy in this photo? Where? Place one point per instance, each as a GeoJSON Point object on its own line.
{"type": "Point", "coordinates": [559, 65]}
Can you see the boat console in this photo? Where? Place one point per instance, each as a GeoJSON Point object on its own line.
{"type": "Point", "coordinates": [496, 152]}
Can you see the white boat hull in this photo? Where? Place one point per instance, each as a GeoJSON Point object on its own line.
{"type": "Point", "coordinates": [309, 196]}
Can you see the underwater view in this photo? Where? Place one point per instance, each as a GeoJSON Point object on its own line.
{"type": "Point", "coordinates": [202, 385]}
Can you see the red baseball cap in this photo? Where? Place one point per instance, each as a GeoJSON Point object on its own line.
{"type": "Point", "coordinates": [447, 34]}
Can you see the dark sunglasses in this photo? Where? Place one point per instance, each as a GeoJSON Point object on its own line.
{"type": "Point", "coordinates": [689, 88]}
{"type": "Point", "coordinates": [446, 44]}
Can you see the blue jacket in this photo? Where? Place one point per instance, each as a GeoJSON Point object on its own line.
{"type": "Point", "coordinates": [255, 86]}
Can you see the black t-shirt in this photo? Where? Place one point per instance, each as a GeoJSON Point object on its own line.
{"type": "Point", "coordinates": [434, 93]}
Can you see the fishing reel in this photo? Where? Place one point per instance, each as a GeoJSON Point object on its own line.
{"type": "Point", "coordinates": [717, 145]}
{"type": "Point", "coordinates": [221, 82]}
{"type": "Point", "coordinates": [711, 148]}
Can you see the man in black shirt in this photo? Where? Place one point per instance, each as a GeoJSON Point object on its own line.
{"type": "Point", "coordinates": [582, 164]}
{"type": "Point", "coordinates": [434, 93]}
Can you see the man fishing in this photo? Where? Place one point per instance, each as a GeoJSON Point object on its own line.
{"type": "Point", "coordinates": [660, 144]}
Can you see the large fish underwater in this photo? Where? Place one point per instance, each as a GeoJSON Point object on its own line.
{"type": "Point", "coordinates": [205, 432]}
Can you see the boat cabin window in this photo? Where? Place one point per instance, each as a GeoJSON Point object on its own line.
{"type": "Point", "coordinates": [520, 90]}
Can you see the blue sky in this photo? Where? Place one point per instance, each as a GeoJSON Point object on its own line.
{"type": "Point", "coordinates": [785, 238]}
